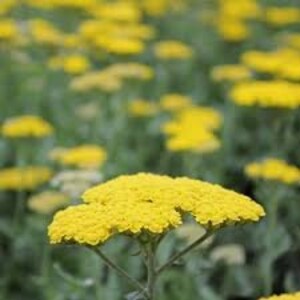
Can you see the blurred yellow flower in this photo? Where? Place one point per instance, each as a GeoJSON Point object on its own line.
{"type": "Point", "coordinates": [26, 178]}
{"type": "Point", "coordinates": [172, 49]}
{"type": "Point", "coordinates": [25, 127]}
{"type": "Point", "coordinates": [175, 102]}
{"type": "Point", "coordinates": [131, 70]}
{"type": "Point", "coordinates": [47, 202]}
{"type": "Point", "coordinates": [274, 169]}
{"type": "Point", "coordinates": [75, 64]}
{"type": "Point", "coordinates": [84, 156]}
{"type": "Point", "coordinates": [8, 30]}
{"type": "Point", "coordinates": [276, 62]}
{"type": "Point", "coordinates": [274, 93]}
{"type": "Point", "coordinates": [192, 130]}
{"type": "Point", "coordinates": [45, 33]}
{"type": "Point", "coordinates": [294, 296]}
{"type": "Point", "coordinates": [230, 73]}
{"type": "Point", "coordinates": [142, 108]}
{"type": "Point", "coordinates": [233, 30]}
{"type": "Point", "coordinates": [7, 5]}
{"type": "Point", "coordinates": [281, 16]}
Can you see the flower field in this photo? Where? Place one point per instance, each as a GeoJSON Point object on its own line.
{"type": "Point", "coordinates": [149, 149]}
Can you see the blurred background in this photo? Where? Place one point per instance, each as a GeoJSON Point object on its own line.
{"type": "Point", "coordinates": [91, 89]}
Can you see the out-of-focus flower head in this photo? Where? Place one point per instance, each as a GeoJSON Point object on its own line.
{"type": "Point", "coordinates": [47, 202]}
{"type": "Point", "coordinates": [292, 296]}
{"type": "Point", "coordinates": [230, 254]}
{"type": "Point", "coordinates": [24, 178]}
{"type": "Point", "coordinates": [44, 33]}
{"type": "Point", "coordinates": [74, 182]}
{"type": "Point", "coordinates": [282, 16]}
{"type": "Point", "coordinates": [230, 73]}
{"type": "Point", "coordinates": [275, 170]}
{"type": "Point", "coordinates": [142, 108]}
{"type": "Point", "coordinates": [73, 64]}
{"type": "Point", "coordinates": [84, 156]}
{"type": "Point", "coordinates": [274, 93]}
{"type": "Point", "coordinates": [172, 49]}
{"type": "Point", "coordinates": [192, 130]}
{"type": "Point", "coordinates": [175, 102]}
{"type": "Point", "coordinates": [26, 126]}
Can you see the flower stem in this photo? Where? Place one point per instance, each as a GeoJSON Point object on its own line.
{"type": "Point", "coordinates": [184, 251]}
{"type": "Point", "coordinates": [119, 270]}
{"type": "Point", "coordinates": [151, 271]}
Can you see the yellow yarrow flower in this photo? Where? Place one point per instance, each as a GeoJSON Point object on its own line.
{"type": "Point", "coordinates": [47, 202]}
{"type": "Point", "coordinates": [26, 178]}
{"type": "Point", "coordinates": [294, 296]}
{"type": "Point", "coordinates": [172, 49]}
{"type": "Point", "coordinates": [75, 64]}
{"type": "Point", "coordinates": [282, 16]}
{"type": "Point", "coordinates": [192, 130]}
{"type": "Point", "coordinates": [85, 156]}
{"type": "Point", "coordinates": [175, 102]}
{"type": "Point", "coordinates": [230, 73]}
{"type": "Point", "coordinates": [274, 93]}
{"type": "Point", "coordinates": [274, 169]}
{"type": "Point", "coordinates": [25, 127]}
{"type": "Point", "coordinates": [8, 30]}
{"type": "Point", "coordinates": [148, 203]}
{"type": "Point", "coordinates": [277, 62]}
{"type": "Point", "coordinates": [142, 108]}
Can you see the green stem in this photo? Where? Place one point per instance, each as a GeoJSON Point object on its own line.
{"type": "Point", "coordinates": [184, 251]}
{"type": "Point", "coordinates": [119, 270]}
{"type": "Point", "coordinates": [151, 271]}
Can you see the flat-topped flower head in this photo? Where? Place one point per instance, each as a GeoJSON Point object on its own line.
{"type": "Point", "coordinates": [294, 296]}
{"type": "Point", "coordinates": [148, 203]}
{"type": "Point", "coordinates": [173, 49]}
{"type": "Point", "coordinates": [26, 127]}
{"type": "Point", "coordinates": [83, 156]}
{"type": "Point", "coordinates": [274, 169]}
{"type": "Point", "coordinates": [273, 93]}
{"type": "Point", "coordinates": [26, 178]}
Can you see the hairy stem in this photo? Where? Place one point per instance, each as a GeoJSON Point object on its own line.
{"type": "Point", "coordinates": [151, 271]}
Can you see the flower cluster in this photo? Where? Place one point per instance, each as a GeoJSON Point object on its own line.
{"type": "Point", "coordinates": [277, 63]}
{"type": "Point", "coordinates": [149, 203]}
{"type": "Point", "coordinates": [274, 169]}
{"type": "Point", "coordinates": [26, 178]}
{"type": "Point", "coordinates": [111, 78]}
{"type": "Point", "coordinates": [173, 50]}
{"type": "Point", "coordinates": [47, 202]}
{"type": "Point", "coordinates": [26, 126]}
{"type": "Point", "coordinates": [274, 93]}
{"type": "Point", "coordinates": [230, 73]}
{"type": "Point", "coordinates": [84, 156]}
{"type": "Point", "coordinates": [295, 296]}
{"type": "Point", "coordinates": [192, 130]}
{"type": "Point", "coordinates": [175, 102]}
{"type": "Point", "coordinates": [142, 108]}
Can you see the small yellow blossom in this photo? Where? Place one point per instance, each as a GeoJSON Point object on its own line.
{"type": "Point", "coordinates": [142, 108]}
{"type": "Point", "coordinates": [26, 178]}
{"type": "Point", "coordinates": [149, 203]}
{"type": "Point", "coordinates": [47, 202]}
{"type": "Point", "coordinates": [172, 49]}
{"type": "Point", "coordinates": [274, 169]}
{"type": "Point", "coordinates": [75, 64]}
{"type": "Point", "coordinates": [294, 296]}
{"type": "Point", "coordinates": [192, 130]}
{"type": "Point", "coordinates": [175, 102]}
{"type": "Point", "coordinates": [230, 73]}
{"type": "Point", "coordinates": [85, 156]}
{"type": "Point", "coordinates": [26, 126]}
{"type": "Point", "coordinates": [45, 33]}
{"type": "Point", "coordinates": [274, 93]}
{"type": "Point", "coordinates": [8, 30]}
{"type": "Point", "coordinates": [282, 16]}
{"type": "Point", "coordinates": [233, 30]}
